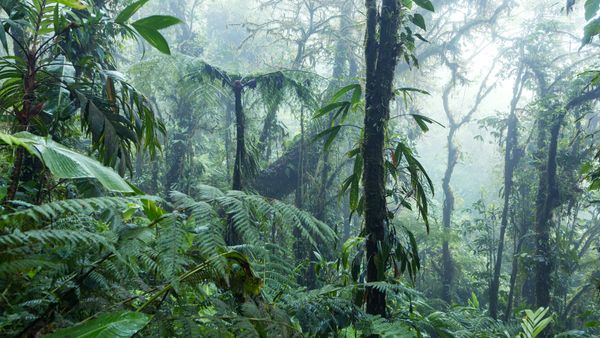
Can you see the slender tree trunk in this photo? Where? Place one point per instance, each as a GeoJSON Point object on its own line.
{"type": "Point", "coordinates": [232, 237]}
{"type": "Point", "coordinates": [176, 161]}
{"type": "Point", "coordinates": [547, 197]}
{"type": "Point", "coordinates": [299, 245]}
{"type": "Point", "coordinates": [448, 207]}
{"type": "Point", "coordinates": [510, 162]}
{"type": "Point", "coordinates": [240, 152]}
{"type": "Point", "coordinates": [227, 138]}
{"type": "Point", "coordinates": [518, 242]}
{"type": "Point", "coordinates": [381, 53]}
{"type": "Point", "coordinates": [347, 219]}
{"type": "Point", "coordinates": [15, 175]}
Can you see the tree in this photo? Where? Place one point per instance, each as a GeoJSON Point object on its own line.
{"type": "Point", "coordinates": [383, 46]}
{"type": "Point", "coordinates": [268, 84]}
{"type": "Point", "coordinates": [454, 124]}
{"type": "Point", "coordinates": [512, 157]}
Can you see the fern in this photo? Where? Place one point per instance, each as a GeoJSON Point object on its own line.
{"type": "Point", "coordinates": [51, 211]}
{"type": "Point", "coordinates": [170, 247]}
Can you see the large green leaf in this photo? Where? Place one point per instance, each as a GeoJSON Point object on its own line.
{"type": "Point", "coordinates": [66, 163]}
{"type": "Point", "coordinates": [591, 8]}
{"type": "Point", "coordinates": [122, 324]}
{"type": "Point", "coordinates": [426, 4]}
{"type": "Point", "coordinates": [76, 4]}
{"type": "Point", "coordinates": [129, 11]}
{"type": "Point", "coordinates": [157, 22]}
{"type": "Point", "coordinates": [154, 38]}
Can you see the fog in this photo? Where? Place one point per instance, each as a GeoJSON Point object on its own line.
{"type": "Point", "coordinates": [300, 168]}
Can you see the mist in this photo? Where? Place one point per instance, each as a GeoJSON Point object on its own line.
{"type": "Point", "coordinates": [292, 168]}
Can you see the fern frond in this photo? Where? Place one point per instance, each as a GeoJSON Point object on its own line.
{"type": "Point", "coordinates": [49, 238]}
{"type": "Point", "coordinates": [170, 246]}
{"type": "Point", "coordinates": [50, 211]}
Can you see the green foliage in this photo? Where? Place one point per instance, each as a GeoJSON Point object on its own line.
{"type": "Point", "coordinates": [127, 264]}
{"type": "Point", "coordinates": [119, 325]}
{"type": "Point", "coordinates": [62, 66]}
{"type": "Point", "coordinates": [534, 323]}
{"type": "Point", "coordinates": [65, 163]}
{"type": "Point", "coordinates": [592, 27]}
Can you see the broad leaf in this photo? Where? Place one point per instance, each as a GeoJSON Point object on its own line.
{"type": "Point", "coordinates": [129, 11]}
{"type": "Point", "coordinates": [426, 4]}
{"type": "Point", "coordinates": [419, 21]}
{"type": "Point", "coordinates": [154, 38]}
{"type": "Point", "coordinates": [157, 22]}
{"type": "Point", "coordinates": [66, 163]}
{"type": "Point", "coordinates": [75, 4]}
{"type": "Point", "coordinates": [122, 324]}
{"type": "Point", "coordinates": [590, 31]}
{"type": "Point", "coordinates": [591, 8]}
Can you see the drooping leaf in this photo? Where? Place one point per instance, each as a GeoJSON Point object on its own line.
{"type": "Point", "coordinates": [129, 11]}
{"type": "Point", "coordinates": [66, 163]}
{"type": "Point", "coordinates": [154, 38]}
{"type": "Point", "coordinates": [3, 37]}
{"type": "Point", "coordinates": [423, 122]}
{"type": "Point", "coordinates": [122, 324]}
{"type": "Point", "coordinates": [331, 134]}
{"type": "Point", "coordinates": [419, 21]}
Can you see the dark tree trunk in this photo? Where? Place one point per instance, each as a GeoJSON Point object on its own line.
{"type": "Point", "coordinates": [227, 137]}
{"type": "Point", "coordinates": [518, 242]}
{"type": "Point", "coordinates": [381, 53]}
{"type": "Point", "coordinates": [176, 159]}
{"type": "Point", "coordinates": [233, 237]}
{"type": "Point", "coordinates": [240, 151]}
{"type": "Point", "coordinates": [511, 159]}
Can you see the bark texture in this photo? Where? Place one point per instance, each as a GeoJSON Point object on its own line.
{"type": "Point", "coordinates": [381, 54]}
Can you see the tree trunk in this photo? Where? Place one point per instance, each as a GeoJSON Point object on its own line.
{"type": "Point", "coordinates": [227, 137]}
{"type": "Point", "coordinates": [447, 264]}
{"type": "Point", "coordinates": [381, 53]}
{"type": "Point", "coordinates": [232, 237]}
{"type": "Point", "coordinates": [511, 158]}
{"type": "Point", "coordinates": [175, 159]}
{"type": "Point", "coordinates": [518, 242]}
{"type": "Point", "coordinates": [547, 197]}
{"type": "Point", "coordinates": [240, 151]}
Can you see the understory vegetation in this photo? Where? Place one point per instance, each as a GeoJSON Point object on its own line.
{"type": "Point", "coordinates": [299, 168]}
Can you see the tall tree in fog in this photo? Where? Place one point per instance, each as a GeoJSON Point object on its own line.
{"type": "Point", "coordinates": [512, 156]}
{"type": "Point", "coordinates": [455, 122]}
